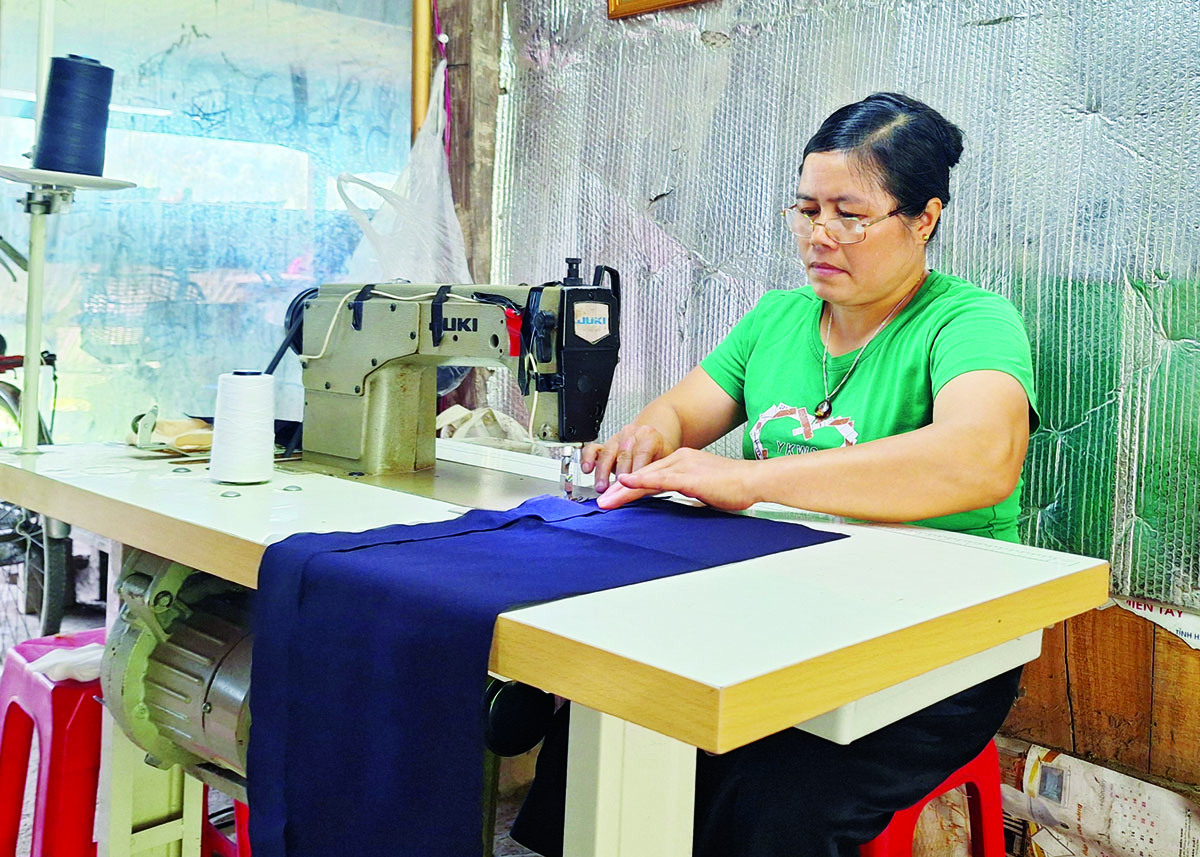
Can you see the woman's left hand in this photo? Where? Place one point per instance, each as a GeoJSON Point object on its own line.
{"type": "Point", "coordinates": [712, 479]}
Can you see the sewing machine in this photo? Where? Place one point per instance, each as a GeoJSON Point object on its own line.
{"type": "Point", "coordinates": [177, 667]}
{"type": "Point", "coordinates": [370, 354]}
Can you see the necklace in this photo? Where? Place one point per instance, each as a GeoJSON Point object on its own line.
{"type": "Point", "coordinates": [826, 407]}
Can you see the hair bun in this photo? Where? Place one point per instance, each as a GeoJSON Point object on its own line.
{"type": "Point", "coordinates": [952, 140]}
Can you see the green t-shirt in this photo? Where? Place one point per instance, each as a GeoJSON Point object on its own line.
{"type": "Point", "coordinates": [771, 363]}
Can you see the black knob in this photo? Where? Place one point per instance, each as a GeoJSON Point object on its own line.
{"type": "Point", "coordinates": [515, 717]}
{"type": "Point", "coordinates": [572, 278]}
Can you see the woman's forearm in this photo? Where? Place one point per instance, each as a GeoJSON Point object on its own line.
{"type": "Point", "coordinates": [969, 457]}
{"type": "Point", "coordinates": [925, 473]}
{"type": "Point", "coordinates": [664, 418]}
{"type": "Point", "coordinates": [693, 413]}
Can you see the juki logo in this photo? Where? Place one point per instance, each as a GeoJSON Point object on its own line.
{"type": "Point", "coordinates": [450, 325]}
{"type": "Point", "coordinates": [591, 321]}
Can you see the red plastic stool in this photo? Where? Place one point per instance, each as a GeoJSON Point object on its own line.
{"type": "Point", "coordinates": [214, 843]}
{"type": "Point", "coordinates": [67, 716]}
{"type": "Point", "coordinates": [981, 776]}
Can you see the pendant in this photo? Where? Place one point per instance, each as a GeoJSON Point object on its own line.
{"type": "Point", "coordinates": [823, 410]}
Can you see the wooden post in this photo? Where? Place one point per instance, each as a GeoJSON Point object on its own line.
{"type": "Point", "coordinates": [422, 46]}
{"type": "Point", "coordinates": [473, 77]}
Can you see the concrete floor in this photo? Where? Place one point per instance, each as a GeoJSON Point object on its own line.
{"type": "Point", "coordinates": [506, 811]}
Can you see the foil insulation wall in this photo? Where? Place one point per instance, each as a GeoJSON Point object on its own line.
{"type": "Point", "coordinates": [665, 144]}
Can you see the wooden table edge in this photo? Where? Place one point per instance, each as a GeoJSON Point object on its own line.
{"type": "Point", "coordinates": [225, 555]}
{"type": "Point", "coordinates": [720, 719]}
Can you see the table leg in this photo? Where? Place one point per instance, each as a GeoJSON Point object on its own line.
{"type": "Point", "coordinates": [630, 791]}
{"type": "Point", "coordinates": [142, 810]}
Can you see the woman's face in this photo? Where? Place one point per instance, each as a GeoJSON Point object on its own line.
{"type": "Point", "coordinates": [883, 267]}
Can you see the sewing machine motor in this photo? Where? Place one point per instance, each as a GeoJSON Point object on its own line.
{"type": "Point", "coordinates": [176, 669]}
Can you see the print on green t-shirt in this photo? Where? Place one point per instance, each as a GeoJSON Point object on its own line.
{"type": "Point", "coordinates": [771, 363]}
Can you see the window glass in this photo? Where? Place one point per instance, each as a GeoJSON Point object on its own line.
{"type": "Point", "coordinates": [234, 118]}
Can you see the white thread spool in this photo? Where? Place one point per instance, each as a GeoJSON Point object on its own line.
{"type": "Point", "coordinates": [243, 449]}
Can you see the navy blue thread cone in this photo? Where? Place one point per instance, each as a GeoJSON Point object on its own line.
{"type": "Point", "coordinates": [74, 123]}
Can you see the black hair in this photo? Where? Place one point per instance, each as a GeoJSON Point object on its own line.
{"type": "Point", "coordinates": [907, 144]}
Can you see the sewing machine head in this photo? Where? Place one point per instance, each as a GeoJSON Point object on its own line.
{"type": "Point", "coordinates": [370, 358]}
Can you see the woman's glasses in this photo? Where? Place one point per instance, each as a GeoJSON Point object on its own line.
{"type": "Point", "coordinates": [843, 230]}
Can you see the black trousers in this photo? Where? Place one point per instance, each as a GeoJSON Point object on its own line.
{"type": "Point", "coordinates": [793, 794]}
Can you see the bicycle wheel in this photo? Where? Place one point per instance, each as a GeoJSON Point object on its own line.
{"type": "Point", "coordinates": [12, 543]}
{"type": "Point", "coordinates": [46, 578]}
{"type": "Point", "coordinates": [10, 417]}
{"type": "Point", "coordinates": [15, 625]}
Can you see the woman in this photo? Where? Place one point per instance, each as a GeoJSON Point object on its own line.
{"type": "Point", "coordinates": [884, 392]}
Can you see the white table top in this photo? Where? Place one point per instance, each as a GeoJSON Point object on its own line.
{"type": "Point", "coordinates": [736, 622]}
{"type": "Point", "coordinates": [716, 658]}
{"type": "Point", "coordinates": [170, 507]}
{"type": "Point", "coordinates": [292, 502]}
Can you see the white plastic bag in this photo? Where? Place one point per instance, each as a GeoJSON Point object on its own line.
{"type": "Point", "coordinates": [485, 426]}
{"type": "Point", "coordinates": [415, 235]}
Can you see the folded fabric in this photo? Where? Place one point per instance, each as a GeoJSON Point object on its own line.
{"type": "Point", "coordinates": [371, 653]}
{"type": "Point", "coordinates": [186, 435]}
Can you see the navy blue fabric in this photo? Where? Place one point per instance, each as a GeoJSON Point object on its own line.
{"type": "Point", "coordinates": [371, 651]}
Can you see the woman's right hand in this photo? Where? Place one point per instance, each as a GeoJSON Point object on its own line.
{"type": "Point", "coordinates": [694, 413]}
{"type": "Point", "coordinates": [631, 448]}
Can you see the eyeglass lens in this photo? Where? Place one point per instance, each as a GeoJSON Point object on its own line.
{"type": "Point", "coordinates": [841, 230]}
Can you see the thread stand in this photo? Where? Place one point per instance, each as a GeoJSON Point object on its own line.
{"type": "Point", "coordinates": [49, 199]}
{"type": "Point", "coordinates": [50, 193]}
